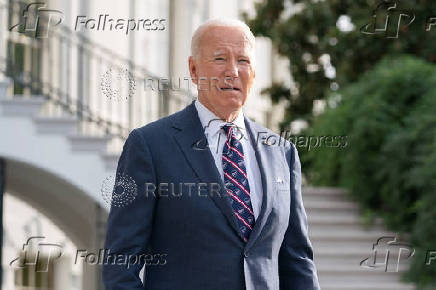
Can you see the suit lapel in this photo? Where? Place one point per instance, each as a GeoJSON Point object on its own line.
{"type": "Point", "coordinates": [192, 141]}
{"type": "Point", "coordinates": [264, 156]}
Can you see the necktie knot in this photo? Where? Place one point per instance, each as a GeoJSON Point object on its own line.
{"type": "Point", "coordinates": [227, 128]}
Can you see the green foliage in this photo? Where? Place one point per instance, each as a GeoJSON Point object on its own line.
{"type": "Point", "coordinates": [311, 31]}
{"type": "Point", "coordinates": [386, 108]}
{"type": "Point", "coordinates": [389, 164]}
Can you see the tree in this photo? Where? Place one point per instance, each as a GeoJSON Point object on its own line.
{"type": "Point", "coordinates": [330, 43]}
{"type": "Point", "coordinates": [389, 165]}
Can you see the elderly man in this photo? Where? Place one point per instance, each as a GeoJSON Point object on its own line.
{"type": "Point", "coordinates": [228, 218]}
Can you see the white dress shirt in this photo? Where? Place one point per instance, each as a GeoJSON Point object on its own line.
{"type": "Point", "coordinates": [216, 139]}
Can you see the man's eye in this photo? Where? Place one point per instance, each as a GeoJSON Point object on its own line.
{"type": "Point", "coordinates": [219, 58]}
{"type": "Point", "coordinates": [244, 60]}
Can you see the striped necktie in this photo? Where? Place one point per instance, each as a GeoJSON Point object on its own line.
{"type": "Point", "coordinates": [236, 182]}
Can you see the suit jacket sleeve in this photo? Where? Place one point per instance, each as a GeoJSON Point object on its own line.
{"type": "Point", "coordinates": [296, 268]}
{"type": "Point", "coordinates": [129, 225]}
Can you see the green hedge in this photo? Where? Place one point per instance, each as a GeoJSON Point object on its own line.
{"type": "Point", "coordinates": [389, 165]}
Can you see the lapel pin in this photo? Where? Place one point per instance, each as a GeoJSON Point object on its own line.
{"type": "Point", "coordinates": [267, 142]}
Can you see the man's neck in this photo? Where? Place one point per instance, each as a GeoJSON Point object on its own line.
{"type": "Point", "coordinates": [225, 116]}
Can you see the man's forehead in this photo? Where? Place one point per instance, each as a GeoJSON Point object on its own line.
{"type": "Point", "coordinates": [222, 49]}
{"type": "Point", "coordinates": [226, 35]}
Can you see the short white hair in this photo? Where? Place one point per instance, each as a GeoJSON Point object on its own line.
{"type": "Point", "coordinates": [199, 32]}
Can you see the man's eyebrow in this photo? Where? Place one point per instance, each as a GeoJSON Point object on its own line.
{"type": "Point", "coordinates": [219, 52]}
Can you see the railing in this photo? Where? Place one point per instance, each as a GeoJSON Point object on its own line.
{"type": "Point", "coordinates": [80, 78]}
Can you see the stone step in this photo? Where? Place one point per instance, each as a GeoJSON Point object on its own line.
{"type": "Point", "coordinates": [340, 245]}
{"type": "Point", "coordinates": [22, 105]}
{"type": "Point", "coordinates": [349, 250]}
{"type": "Point", "coordinates": [367, 285]}
{"type": "Point", "coordinates": [342, 226]}
{"type": "Point", "coordinates": [327, 214]}
{"type": "Point", "coordinates": [333, 273]}
{"type": "Point", "coordinates": [331, 204]}
{"type": "Point", "coordinates": [353, 263]}
{"type": "Point", "coordinates": [56, 125]}
{"type": "Point", "coordinates": [341, 257]}
{"type": "Point", "coordinates": [331, 215]}
{"type": "Point", "coordinates": [323, 194]}
{"type": "Point", "coordinates": [349, 236]}
{"type": "Point", "coordinates": [82, 143]}
{"type": "Point", "coordinates": [315, 218]}
{"type": "Point", "coordinates": [323, 190]}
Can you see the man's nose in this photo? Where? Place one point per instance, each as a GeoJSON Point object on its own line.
{"type": "Point", "coordinates": [231, 69]}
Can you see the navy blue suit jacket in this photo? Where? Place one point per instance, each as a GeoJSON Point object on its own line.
{"type": "Point", "coordinates": [189, 234]}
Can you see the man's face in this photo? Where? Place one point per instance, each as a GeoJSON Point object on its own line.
{"type": "Point", "coordinates": [223, 70]}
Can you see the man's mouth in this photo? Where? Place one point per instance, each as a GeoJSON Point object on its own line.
{"type": "Point", "coordinates": [230, 89]}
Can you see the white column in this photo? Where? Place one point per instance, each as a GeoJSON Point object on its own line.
{"type": "Point", "coordinates": [180, 38]}
{"type": "Point", "coordinates": [62, 273]}
{"type": "Point", "coordinates": [3, 30]}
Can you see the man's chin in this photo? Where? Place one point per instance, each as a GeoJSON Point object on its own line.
{"type": "Point", "coordinates": [233, 102]}
{"type": "Point", "coordinates": [226, 102]}
{"type": "Point", "coordinates": [233, 97]}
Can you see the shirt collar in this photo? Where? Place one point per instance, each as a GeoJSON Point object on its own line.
{"type": "Point", "coordinates": [212, 124]}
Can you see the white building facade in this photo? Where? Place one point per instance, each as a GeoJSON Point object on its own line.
{"type": "Point", "coordinates": [72, 86]}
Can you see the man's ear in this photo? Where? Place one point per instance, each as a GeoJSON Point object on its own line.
{"type": "Point", "coordinates": [193, 70]}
